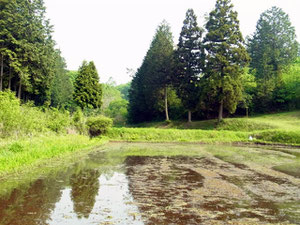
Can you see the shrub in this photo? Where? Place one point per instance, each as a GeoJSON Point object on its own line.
{"type": "Point", "coordinates": [98, 125]}
{"type": "Point", "coordinates": [79, 121]}
{"type": "Point", "coordinates": [10, 113]}
{"type": "Point", "coordinates": [57, 121]}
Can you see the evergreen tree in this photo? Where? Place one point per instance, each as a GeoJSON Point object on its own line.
{"type": "Point", "coordinates": [27, 50]}
{"type": "Point", "coordinates": [88, 91]}
{"type": "Point", "coordinates": [225, 57]}
{"type": "Point", "coordinates": [190, 63]}
{"type": "Point", "coordinates": [272, 48]}
{"type": "Point", "coordinates": [160, 68]}
{"type": "Point", "coordinates": [62, 86]}
{"type": "Point", "coordinates": [150, 83]}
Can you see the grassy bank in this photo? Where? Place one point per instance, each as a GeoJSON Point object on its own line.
{"type": "Point", "coordinates": [27, 153]}
{"type": "Point", "coordinates": [281, 128]}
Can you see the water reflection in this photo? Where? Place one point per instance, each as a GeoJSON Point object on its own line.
{"type": "Point", "coordinates": [85, 186]}
{"type": "Point", "coordinates": [33, 203]}
{"type": "Point", "coordinates": [113, 205]}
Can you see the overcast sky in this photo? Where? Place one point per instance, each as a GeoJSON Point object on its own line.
{"type": "Point", "coordinates": [116, 34]}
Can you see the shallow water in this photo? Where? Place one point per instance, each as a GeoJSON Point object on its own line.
{"type": "Point", "coordinates": [129, 187]}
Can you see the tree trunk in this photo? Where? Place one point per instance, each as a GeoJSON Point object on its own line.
{"type": "Point", "coordinates": [20, 89]}
{"type": "Point", "coordinates": [247, 112]}
{"type": "Point", "coordinates": [220, 118]}
{"type": "Point", "coordinates": [166, 104]}
{"type": "Point", "coordinates": [1, 74]}
{"type": "Point", "coordinates": [9, 79]}
{"type": "Point", "coordinates": [189, 116]}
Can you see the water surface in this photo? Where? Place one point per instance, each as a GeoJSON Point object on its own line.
{"type": "Point", "coordinates": [158, 184]}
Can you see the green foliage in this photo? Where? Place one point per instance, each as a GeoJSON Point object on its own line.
{"type": "Point", "coordinates": [19, 120]}
{"type": "Point", "coordinates": [62, 86]}
{"type": "Point", "coordinates": [27, 50]}
{"type": "Point", "coordinates": [117, 110]}
{"type": "Point", "coordinates": [190, 59]}
{"type": "Point", "coordinates": [98, 125]}
{"type": "Point", "coordinates": [225, 57]}
{"type": "Point", "coordinates": [110, 93]}
{"type": "Point", "coordinates": [272, 48]}
{"type": "Point", "coordinates": [291, 86]}
{"type": "Point", "coordinates": [57, 121]}
{"type": "Point", "coordinates": [88, 91]}
{"type": "Point", "coordinates": [124, 89]}
{"type": "Point", "coordinates": [149, 85]}
{"type": "Point", "coordinates": [79, 121]}
{"type": "Point", "coordinates": [10, 113]}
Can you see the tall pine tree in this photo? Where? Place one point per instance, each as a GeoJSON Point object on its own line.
{"type": "Point", "coordinates": [225, 57]}
{"type": "Point", "coordinates": [190, 63]}
{"type": "Point", "coordinates": [88, 91]}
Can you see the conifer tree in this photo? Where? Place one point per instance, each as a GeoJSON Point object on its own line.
{"type": "Point", "coordinates": [272, 48]}
{"type": "Point", "coordinates": [87, 89]}
{"type": "Point", "coordinates": [225, 57]}
{"type": "Point", "coordinates": [150, 83]}
{"type": "Point", "coordinates": [190, 63]}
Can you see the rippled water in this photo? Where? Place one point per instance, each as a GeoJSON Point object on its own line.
{"type": "Point", "coordinates": [159, 189]}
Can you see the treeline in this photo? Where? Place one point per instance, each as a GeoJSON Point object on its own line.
{"type": "Point", "coordinates": [214, 71]}
{"type": "Point", "coordinates": [33, 68]}
{"type": "Point", "coordinates": [209, 73]}
{"type": "Point", "coordinates": [29, 61]}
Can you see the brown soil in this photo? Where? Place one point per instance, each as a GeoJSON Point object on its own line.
{"type": "Point", "coordinates": [189, 190]}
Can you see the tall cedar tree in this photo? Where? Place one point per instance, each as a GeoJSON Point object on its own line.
{"type": "Point", "coordinates": [225, 57]}
{"type": "Point", "coordinates": [272, 48]}
{"type": "Point", "coordinates": [87, 89]}
{"type": "Point", "coordinates": [160, 59]}
{"type": "Point", "coordinates": [190, 63]}
{"type": "Point", "coordinates": [153, 78]}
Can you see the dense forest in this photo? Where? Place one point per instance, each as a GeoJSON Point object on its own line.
{"type": "Point", "coordinates": [210, 73]}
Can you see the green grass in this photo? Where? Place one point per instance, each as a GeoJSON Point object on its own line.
{"type": "Point", "coordinates": [279, 128]}
{"type": "Point", "coordinates": [27, 153]}
{"type": "Point", "coordinates": [175, 135]}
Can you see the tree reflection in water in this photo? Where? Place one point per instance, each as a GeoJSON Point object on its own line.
{"type": "Point", "coordinates": [85, 186]}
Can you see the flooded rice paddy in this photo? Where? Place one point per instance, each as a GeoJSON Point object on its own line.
{"type": "Point", "coordinates": [159, 184]}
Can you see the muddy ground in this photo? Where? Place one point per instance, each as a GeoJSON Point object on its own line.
{"type": "Point", "coordinates": [207, 190]}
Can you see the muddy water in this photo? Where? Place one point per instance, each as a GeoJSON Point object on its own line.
{"type": "Point", "coordinates": [128, 188]}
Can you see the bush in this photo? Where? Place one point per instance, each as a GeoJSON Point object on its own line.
{"type": "Point", "coordinates": [57, 121]}
{"type": "Point", "coordinates": [79, 121]}
{"type": "Point", "coordinates": [98, 125]}
{"type": "Point", "coordinates": [10, 113]}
